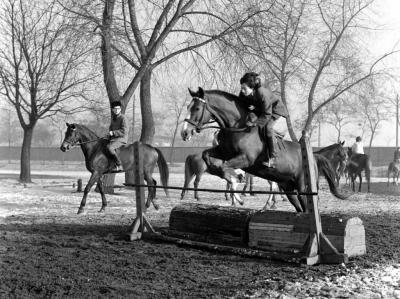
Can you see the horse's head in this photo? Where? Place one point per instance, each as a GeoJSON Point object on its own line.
{"type": "Point", "coordinates": [71, 138]}
{"type": "Point", "coordinates": [198, 114]}
{"type": "Point", "coordinates": [341, 151]}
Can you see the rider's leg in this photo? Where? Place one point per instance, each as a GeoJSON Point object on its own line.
{"type": "Point", "coordinates": [271, 143]}
{"type": "Point", "coordinates": [112, 147]}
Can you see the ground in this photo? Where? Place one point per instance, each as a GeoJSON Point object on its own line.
{"type": "Point", "coordinates": [47, 250]}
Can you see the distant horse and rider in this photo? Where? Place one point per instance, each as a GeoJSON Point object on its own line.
{"type": "Point", "coordinates": [394, 168]}
{"type": "Point", "coordinates": [99, 161]}
{"type": "Point", "coordinates": [355, 165]}
{"type": "Point", "coordinates": [243, 146]}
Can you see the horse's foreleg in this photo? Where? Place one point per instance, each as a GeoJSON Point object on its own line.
{"type": "Point", "coordinates": [251, 184]}
{"type": "Point", "coordinates": [196, 186]}
{"type": "Point", "coordinates": [93, 178]}
{"type": "Point", "coordinates": [228, 188]}
{"type": "Point", "coordinates": [103, 196]}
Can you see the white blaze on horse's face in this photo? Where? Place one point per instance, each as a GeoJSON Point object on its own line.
{"type": "Point", "coordinates": [187, 130]}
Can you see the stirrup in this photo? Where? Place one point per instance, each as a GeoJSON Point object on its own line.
{"type": "Point", "coordinates": [271, 163]}
{"type": "Point", "coordinates": [117, 168]}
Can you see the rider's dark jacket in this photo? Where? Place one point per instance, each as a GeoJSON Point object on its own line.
{"type": "Point", "coordinates": [119, 127]}
{"type": "Point", "coordinates": [266, 105]}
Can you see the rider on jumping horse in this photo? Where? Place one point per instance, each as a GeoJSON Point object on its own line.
{"type": "Point", "coordinates": [118, 133]}
{"type": "Point", "coordinates": [265, 108]}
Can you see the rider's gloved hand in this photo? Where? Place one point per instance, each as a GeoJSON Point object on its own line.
{"type": "Point", "coordinates": [250, 124]}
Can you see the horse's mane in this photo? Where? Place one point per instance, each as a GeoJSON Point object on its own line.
{"type": "Point", "coordinates": [227, 95]}
{"type": "Point", "coordinates": [84, 128]}
{"type": "Point", "coordinates": [329, 147]}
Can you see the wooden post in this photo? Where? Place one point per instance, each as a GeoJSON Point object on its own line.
{"type": "Point", "coordinates": [140, 223]}
{"type": "Point", "coordinates": [317, 248]}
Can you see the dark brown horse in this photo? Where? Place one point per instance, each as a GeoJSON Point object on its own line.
{"type": "Point", "coordinates": [336, 154]}
{"type": "Point", "coordinates": [242, 148]}
{"type": "Point", "coordinates": [355, 165]}
{"type": "Point", "coordinates": [98, 161]}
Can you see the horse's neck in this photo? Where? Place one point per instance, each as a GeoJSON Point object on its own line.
{"type": "Point", "coordinates": [88, 148]}
{"type": "Point", "coordinates": [228, 113]}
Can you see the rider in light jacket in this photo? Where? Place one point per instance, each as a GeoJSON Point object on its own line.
{"type": "Point", "coordinates": [266, 106]}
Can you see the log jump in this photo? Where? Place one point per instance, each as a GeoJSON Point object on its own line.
{"type": "Point", "coordinates": [306, 237]}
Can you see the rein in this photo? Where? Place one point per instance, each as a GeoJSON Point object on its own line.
{"type": "Point", "coordinates": [84, 142]}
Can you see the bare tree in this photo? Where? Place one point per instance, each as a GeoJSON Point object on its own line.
{"type": "Point", "coordinates": [339, 114]}
{"type": "Point", "coordinates": [374, 108]}
{"type": "Point", "coordinates": [311, 48]}
{"type": "Point", "coordinates": [39, 66]}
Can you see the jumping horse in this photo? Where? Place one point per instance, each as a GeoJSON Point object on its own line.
{"type": "Point", "coordinates": [355, 165]}
{"type": "Point", "coordinates": [241, 147]}
{"type": "Point", "coordinates": [99, 163]}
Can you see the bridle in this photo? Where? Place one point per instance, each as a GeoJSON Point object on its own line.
{"type": "Point", "coordinates": [77, 143]}
{"type": "Point", "coordinates": [199, 126]}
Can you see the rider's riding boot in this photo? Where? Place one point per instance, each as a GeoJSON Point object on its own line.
{"type": "Point", "coordinates": [118, 163]}
{"type": "Point", "coordinates": [272, 153]}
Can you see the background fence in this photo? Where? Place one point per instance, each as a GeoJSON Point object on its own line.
{"type": "Point", "coordinates": [380, 156]}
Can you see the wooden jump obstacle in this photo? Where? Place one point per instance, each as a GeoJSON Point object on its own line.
{"type": "Point", "coordinates": [305, 237]}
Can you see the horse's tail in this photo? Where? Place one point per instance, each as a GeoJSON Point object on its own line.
{"type": "Point", "coordinates": [325, 167]}
{"type": "Point", "coordinates": [163, 169]}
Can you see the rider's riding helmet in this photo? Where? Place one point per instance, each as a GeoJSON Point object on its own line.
{"type": "Point", "coordinates": [251, 79]}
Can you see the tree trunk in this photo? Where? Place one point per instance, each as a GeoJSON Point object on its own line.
{"type": "Point", "coordinates": [130, 175]}
{"type": "Point", "coordinates": [288, 120]}
{"type": "Point", "coordinates": [148, 130]}
{"type": "Point", "coordinates": [173, 142]}
{"type": "Point", "coordinates": [25, 174]}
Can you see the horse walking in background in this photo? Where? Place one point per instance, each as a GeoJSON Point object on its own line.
{"type": "Point", "coordinates": [98, 162]}
{"type": "Point", "coordinates": [336, 154]}
{"type": "Point", "coordinates": [242, 147]}
{"type": "Point", "coordinates": [394, 169]}
{"type": "Point", "coordinates": [356, 164]}
{"type": "Point", "coordinates": [195, 167]}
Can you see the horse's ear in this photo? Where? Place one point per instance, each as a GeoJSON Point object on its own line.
{"type": "Point", "coordinates": [201, 93]}
{"type": "Point", "coordinates": [67, 124]}
{"type": "Point", "coordinates": [342, 142]}
{"type": "Point", "coordinates": [192, 93]}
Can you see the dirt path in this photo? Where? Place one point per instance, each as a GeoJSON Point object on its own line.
{"type": "Point", "coordinates": [46, 250]}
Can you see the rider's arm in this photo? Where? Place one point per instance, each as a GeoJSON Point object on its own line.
{"type": "Point", "coordinates": [265, 98]}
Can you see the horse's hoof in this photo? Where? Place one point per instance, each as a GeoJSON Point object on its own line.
{"type": "Point", "coordinates": [102, 210]}
{"type": "Point", "coordinates": [156, 206]}
{"type": "Point", "coordinates": [81, 211]}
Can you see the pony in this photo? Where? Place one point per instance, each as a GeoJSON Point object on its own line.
{"type": "Point", "coordinates": [355, 165]}
{"type": "Point", "coordinates": [99, 163]}
{"type": "Point", "coordinates": [394, 169]}
{"type": "Point", "coordinates": [241, 147]}
{"type": "Point", "coordinates": [337, 155]}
